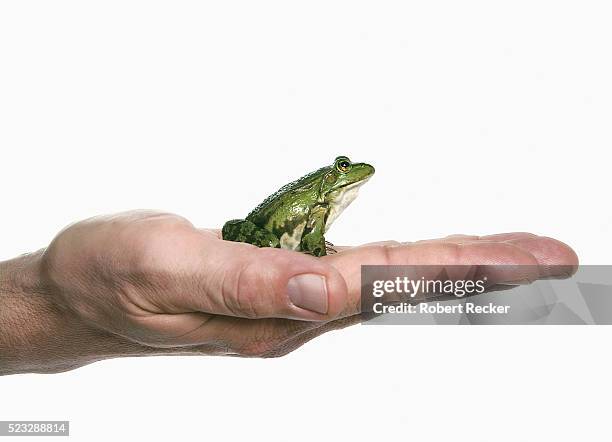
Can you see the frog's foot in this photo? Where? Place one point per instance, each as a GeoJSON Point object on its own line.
{"type": "Point", "coordinates": [329, 248]}
{"type": "Point", "coordinates": [241, 230]}
{"type": "Point", "coordinates": [313, 244]}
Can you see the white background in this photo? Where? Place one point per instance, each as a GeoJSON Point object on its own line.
{"type": "Point", "coordinates": [480, 117]}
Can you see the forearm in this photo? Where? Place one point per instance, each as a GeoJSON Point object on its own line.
{"type": "Point", "coordinates": [38, 335]}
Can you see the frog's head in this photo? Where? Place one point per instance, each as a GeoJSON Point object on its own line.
{"type": "Point", "coordinates": [342, 175]}
{"type": "Point", "coordinates": [340, 184]}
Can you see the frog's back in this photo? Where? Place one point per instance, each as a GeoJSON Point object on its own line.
{"type": "Point", "coordinates": [287, 199]}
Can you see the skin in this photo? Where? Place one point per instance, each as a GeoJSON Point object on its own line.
{"type": "Point", "coordinates": [148, 283]}
{"type": "Point", "coordinates": [297, 216]}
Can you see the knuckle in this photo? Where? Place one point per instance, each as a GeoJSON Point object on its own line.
{"type": "Point", "coordinates": [255, 349]}
{"type": "Point", "coordinates": [153, 243]}
{"type": "Point", "coordinates": [278, 353]}
{"type": "Point", "coordinates": [285, 348]}
{"type": "Point", "coordinates": [248, 297]}
{"type": "Point", "coordinates": [456, 252]}
{"type": "Point", "coordinates": [273, 338]}
{"type": "Point", "coordinates": [388, 253]}
{"type": "Point", "coordinates": [451, 253]}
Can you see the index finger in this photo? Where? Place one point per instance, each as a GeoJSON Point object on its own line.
{"type": "Point", "coordinates": [506, 261]}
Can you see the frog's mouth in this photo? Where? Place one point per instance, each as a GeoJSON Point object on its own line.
{"type": "Point", "coordinates": [340, 198]}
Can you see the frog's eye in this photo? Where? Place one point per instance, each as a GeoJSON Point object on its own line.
{"type": "Point", "coordinates": [343, 164]}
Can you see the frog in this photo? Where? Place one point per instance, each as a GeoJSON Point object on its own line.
{"type": "Point", "coordinates": [298, 215]}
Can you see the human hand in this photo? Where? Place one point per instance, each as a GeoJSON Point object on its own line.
{"type": "Point", "coordinates": [141, 283]}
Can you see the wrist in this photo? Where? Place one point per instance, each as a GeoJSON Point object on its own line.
{"type": "Point", "coordinates": [39, 335]}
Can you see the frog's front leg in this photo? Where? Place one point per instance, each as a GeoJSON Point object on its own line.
{"type": "Point", "coordinates": [241, 230]}
{"type": "Point", "coordinates": [313, 241]}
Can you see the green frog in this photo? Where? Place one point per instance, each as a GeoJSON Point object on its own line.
{"type": "Point", "coordinates": [297, 216]}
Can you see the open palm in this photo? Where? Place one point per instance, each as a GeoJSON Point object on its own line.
{"type": "Point", "coordinates": [164, 286]}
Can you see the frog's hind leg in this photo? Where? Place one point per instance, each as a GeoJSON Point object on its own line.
{"type": "Point", "coordinates": [329, 248]}
{"type": "Point", "coordinates": [241, 230]}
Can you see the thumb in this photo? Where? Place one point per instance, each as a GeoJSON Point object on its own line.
{"type": "Point", "coordinates": [251, 282]}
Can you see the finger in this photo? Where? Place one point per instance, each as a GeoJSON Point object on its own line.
{"type": "Point", "coordinates": [376, 243]}
{"type": "Point", "coordinates": [507, 236]}
{"type": "Point", "coordinates": [241, 280]}
{"type": "Point", "coordinates": [499, 237]}
{"type": "Point", "coordinates": [501, 262]}
{"type": "Point", "coordinates": [245, 337]}
{"type": "Point", "coordinates": [555, 259]}
{"type": "Point", "coordinates": [457, 239]}
{"type": "Point", "coordinates": [269, 337]}
{"type": "Point", "coordinates": [298, 339]}
{"type": "Point", "coordinates": [201, 333]}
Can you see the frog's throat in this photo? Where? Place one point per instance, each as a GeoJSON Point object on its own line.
{"type": "Point", "coordinates": [340, 199]}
